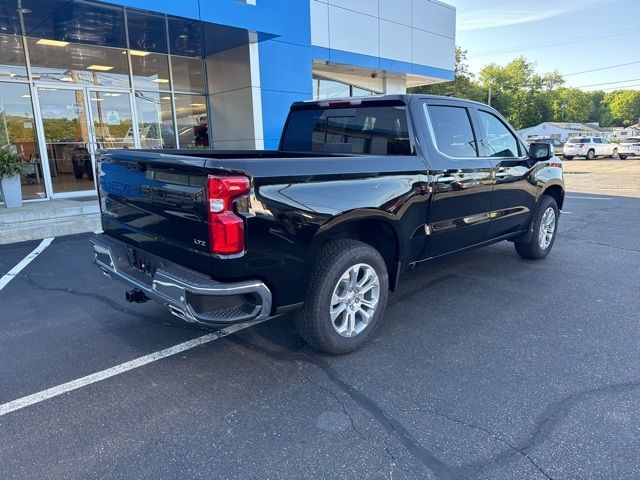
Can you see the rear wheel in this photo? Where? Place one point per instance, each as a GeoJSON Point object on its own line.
{"type": "Point", "coordinates": [545, 226]}
{"type": "Point", "coordinates": [591, 154]}
{"type": "Point", "coordinates": [622, 157]}
{"type": "Point", "coordinates": [346, 298]}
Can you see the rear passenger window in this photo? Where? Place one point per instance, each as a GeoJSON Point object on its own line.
{"type": "Point", "coordinates": [499, 141]}
{"type": "Point", "coordinates": [452, 132]}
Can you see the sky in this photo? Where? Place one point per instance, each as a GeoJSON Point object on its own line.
{"type": "Point", "coordinates": [571, 36]}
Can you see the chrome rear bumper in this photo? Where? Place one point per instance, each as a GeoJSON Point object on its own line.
{"type": "Point", "coordinates": [189, 295]}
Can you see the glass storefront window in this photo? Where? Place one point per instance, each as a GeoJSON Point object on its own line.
{"type": "Point", "coordinates": [323, 88]}
{"type": "Point", "coordinates": [150, 71]}
{"type": "Point", "coordinates": [155, 120]}
{"type": "Point", "coordinates": [329, 89]}
{"type": "Point", "coordinates": [361, 92]}
{"type": "Point", "coordinates": [188, 74]}
{"type": "Point", "coordinates": [112, 121]}
{"type": "Point", "coordinates": [18, 130]}
{"type": "Point", "coordinates": [147, 31]}
{"type": "Point", "coordinates": [53, 61]}
{"type": "Point", "coordinates": [12, 61]}
{"type": "Point", "coordinates": [66, 131]}
{"type": "Point", "coordinates": [192, 120]}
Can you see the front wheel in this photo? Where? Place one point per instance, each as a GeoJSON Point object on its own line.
{"type": "Point", "coordinates": [614, 154]}
{"type": "Point", "coordinates": [622, 157]}
{"type": "Point", "coordinates": [346, 298]}
{"type": "Point", "coordinates": [545, 226]}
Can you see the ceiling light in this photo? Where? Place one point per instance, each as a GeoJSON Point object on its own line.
{"type": "Point", "coordinates": [23, 10]}
{"type": "Point", "coordinates": [66, 79]}
{"type": "Point", "coordinates": [100, 68]}
{"type": "Point", "coordinates": [197, 104]}
{"type": "Point", "coordinates": [112, 94]}
{"type": "Point", "coordinates": [138, 53]}
{"type": "Point", "coordinates": [97, 99]}
{"type": "Point", "coordinates": [165, 98]}
{"type": "Point", "coordinates": [52, 43]}
{"type": "Point", "coordinates": [26, 95]}
{"type": "Point", "coordinates": [161, 80]}
{"type": "Point", "coordinates": [183, 35]}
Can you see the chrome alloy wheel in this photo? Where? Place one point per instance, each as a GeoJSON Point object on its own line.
{"type": "Point", "coordinates": [547, 228]}
{"type": "Point", "coordinates": [354, 300]}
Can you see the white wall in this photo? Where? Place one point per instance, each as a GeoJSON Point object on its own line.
{"type": "Point", "coordinates": [545, 130]}
{"type": "Point", "coordinates": [412, 31]}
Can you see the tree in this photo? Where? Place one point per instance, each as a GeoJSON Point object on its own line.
{"type": "Point", "coordinates": [572, 105]}
{"type": "Point", "coordinates": [624, 106]}
{"type": "Point", "coordinates": [518, 92]}
{"type": "Point", "coordinates": [464, 85]}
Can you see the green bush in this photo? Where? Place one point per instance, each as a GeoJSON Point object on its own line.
{"type": "Point", "coordinates": [9, 163]}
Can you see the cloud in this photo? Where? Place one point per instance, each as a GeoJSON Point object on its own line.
{"type": "Point", "coordinates": [507, 14]}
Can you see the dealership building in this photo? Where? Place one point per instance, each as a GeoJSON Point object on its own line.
{"type": "Point", "coordinates": [77, 76]}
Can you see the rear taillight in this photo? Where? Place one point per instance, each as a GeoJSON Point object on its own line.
{"type": "Point", "coordinates": [226, 228]}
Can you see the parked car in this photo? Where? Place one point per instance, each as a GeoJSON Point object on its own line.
{"type": "Point", "coordinates": [558, 145]}
{"type": "Point", "coordinates": [359, 191]}
{"type": "Point", "coordinates": [589, 147]}
{"type": "Point", "coordinates": [630, 147]}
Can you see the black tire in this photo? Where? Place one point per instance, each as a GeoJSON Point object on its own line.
{"type": "Point", "coordinates": [533, 250]}
{"type": "Point", "coordinates": [591, 154]}
{"type": "Point", "coordinates": [314, 321]}
{"type": "Point", "coordinates": [568, 157]}
{"type": "Point", "coordinates": [622, 157]}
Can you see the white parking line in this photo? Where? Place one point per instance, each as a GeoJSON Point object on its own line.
{"type": "Point", "coordinates": [589, 198]}
{"type": "Point", "coordinates": [11, 274]}
{"type": "Point", "coordinates": [118, 369]}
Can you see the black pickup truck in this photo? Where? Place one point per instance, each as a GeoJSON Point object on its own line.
{"type": "Point", "coordinates": [359, 191]}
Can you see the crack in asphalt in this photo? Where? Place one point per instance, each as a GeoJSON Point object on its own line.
{"type": "Point", "coordinates": [547, 423]}
{"type": "Point", "coordinates": [390, 424]}
{"type": "Point", "coordinates": [493, 435]}
{"type": "Point", "coordinates": [572, 237]}
{"type": "Point", "coordinates": [105, 300]}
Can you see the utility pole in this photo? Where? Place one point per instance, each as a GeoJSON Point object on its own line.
{"type": "Point", "coordinates": [489, 100]}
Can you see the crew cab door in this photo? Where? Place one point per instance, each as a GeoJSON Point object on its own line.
{"type": "Point", "coordinates": [462, 180]}
{"type": "Point", "coordinates": [514, 196]}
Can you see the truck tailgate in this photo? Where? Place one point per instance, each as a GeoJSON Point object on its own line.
{"type": "Point", "coordinates": [157, 202]}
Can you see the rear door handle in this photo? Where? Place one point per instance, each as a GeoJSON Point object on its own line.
{"type": "Point", "coordinates": [446, 179]}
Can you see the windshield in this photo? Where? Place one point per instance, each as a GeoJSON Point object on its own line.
{"type": "Point", "coordinates": [378, 129]}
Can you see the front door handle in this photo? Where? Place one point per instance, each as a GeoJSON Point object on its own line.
{"type": "Point", "coordinates": [501, 174]}
{"type": "Point", "coordinates": [446, 179]}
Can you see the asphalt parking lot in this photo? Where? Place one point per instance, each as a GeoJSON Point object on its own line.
{"type": "Point", "coordinates": [486, 367]}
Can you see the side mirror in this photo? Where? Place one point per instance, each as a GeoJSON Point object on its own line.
{"type": "Point", "coordinates": [540, 151]}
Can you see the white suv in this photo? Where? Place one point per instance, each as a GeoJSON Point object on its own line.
{"type": "Point", "coordinates": [630, 147]}
{"type": "Point", "coordinates": [589, 147]}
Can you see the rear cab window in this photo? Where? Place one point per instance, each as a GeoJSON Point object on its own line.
{"type": "Point", "coordinates": [376, 128]}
